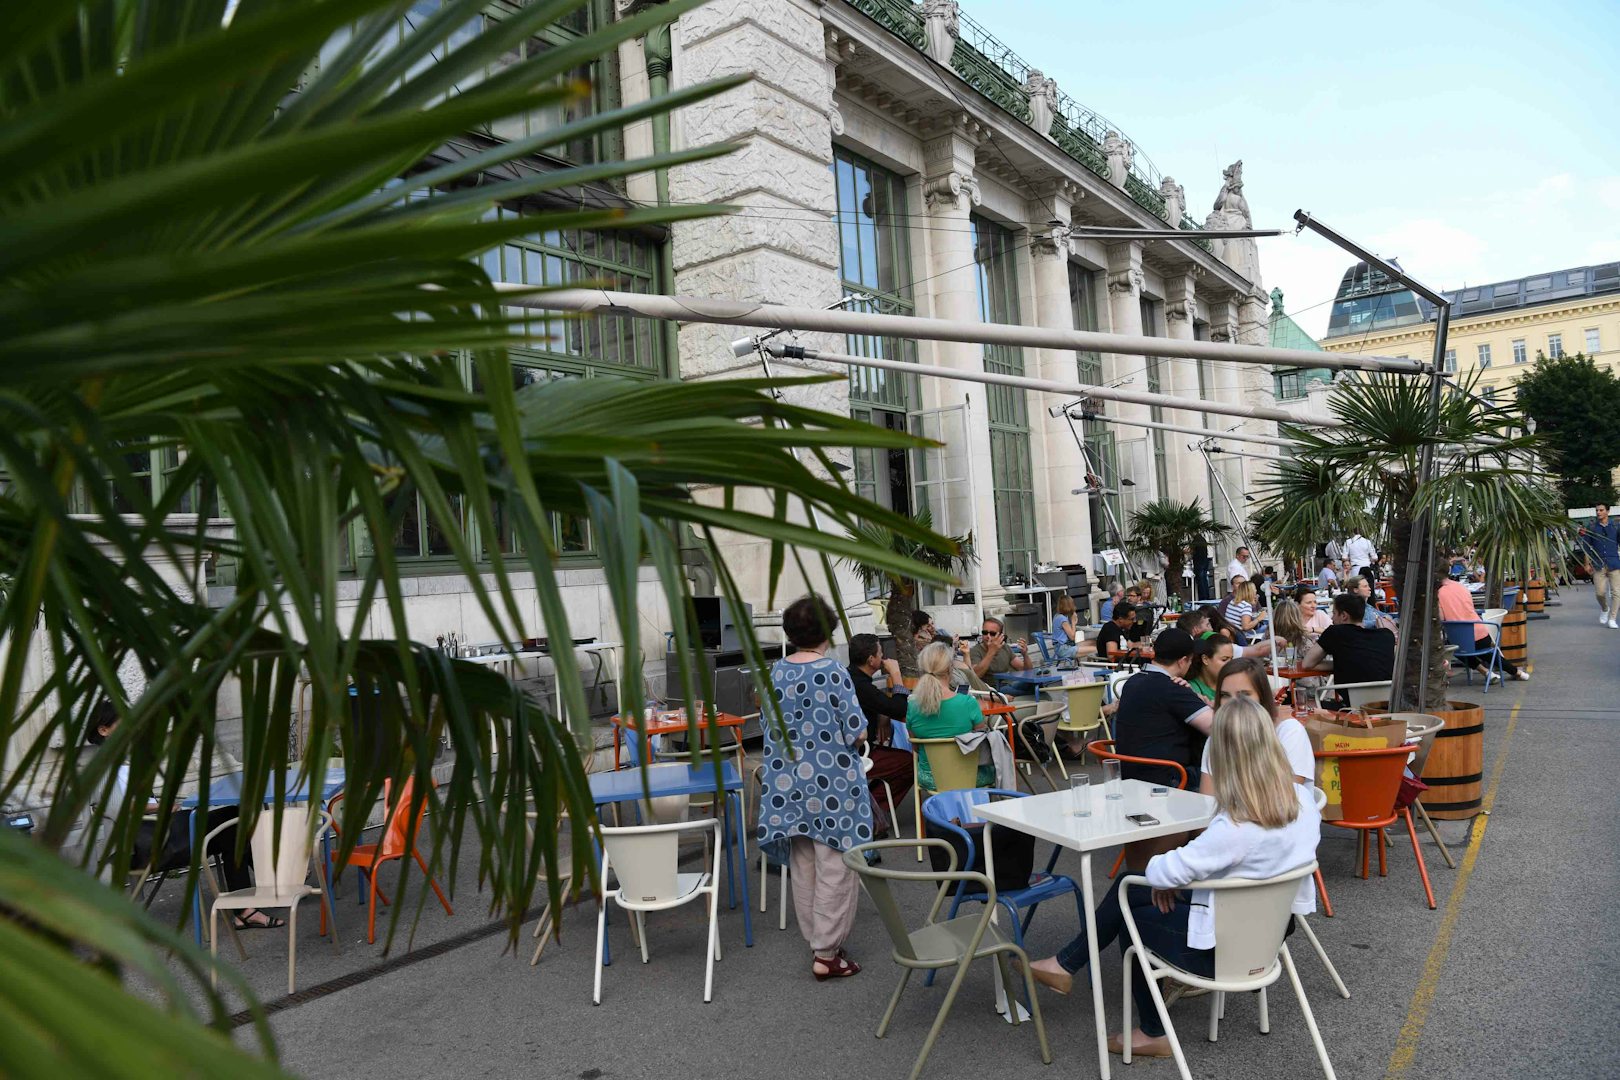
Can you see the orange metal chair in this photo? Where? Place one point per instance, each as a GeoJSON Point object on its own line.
{"type": "Point", "coordinates": [1369, 784]}
{"type": "Point", "coordinates": [396, 827]}
{"type": "Point", "coordinates": [1103, 750]}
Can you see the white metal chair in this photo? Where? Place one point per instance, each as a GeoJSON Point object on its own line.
{"type": "Point", "coordinates": [279, 876]}
{"type": "Point", "coordinates": [764, 864]}
{"type": "Point", "coordinates": [644, 862]}
{"type": "Point", "coordinates": [1251, 918]}
{"type": "Point", "coordinates": [1360, 693]}
{"type": "Point", "coordinates": [1299, 920]}
{"type": "Point", "coordinates": [1059, 711]}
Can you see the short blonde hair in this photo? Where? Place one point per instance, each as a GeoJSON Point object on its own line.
{"type": "Point", "coordinates": [1245, 592]}
{"type": "Point", "coordinates": [1253, 780]}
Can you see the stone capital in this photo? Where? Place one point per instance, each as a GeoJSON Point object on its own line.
{"type": "Point", "coordinates": [956, 189]}
{"type": "Point", "coordinates": [1125, 268]}
{"type": "Point", "coordinates": [1180, 298]}
{"type": "Point", "coordinates": [1223, 321]}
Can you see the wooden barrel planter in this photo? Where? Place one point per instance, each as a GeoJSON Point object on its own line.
{"type": "Point", "coordinates": [1535, 599]}
{"type": "Point", "coordinates": [1455, 770]}
{"type": "Point", "coordinates": [1516, 634]}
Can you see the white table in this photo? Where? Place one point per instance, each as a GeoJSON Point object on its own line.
{"type": "Point", "coordinates": [1048, 817]}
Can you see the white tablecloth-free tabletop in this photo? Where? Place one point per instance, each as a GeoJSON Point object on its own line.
{"type": "Point", "coordinates": [1050, 817]}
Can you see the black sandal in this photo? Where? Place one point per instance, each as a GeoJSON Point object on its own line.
{"type": "Point", "coordinates": [243, 922]}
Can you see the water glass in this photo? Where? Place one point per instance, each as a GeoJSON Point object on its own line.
{"type": "Point", "coordinates": [1080, 794]}
{"type": "Point", "coordinates": [1112, 788]}
{"type": "Point", "coordinates": [1304, 699]}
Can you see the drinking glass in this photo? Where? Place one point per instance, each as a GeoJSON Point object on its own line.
{"type": "Point", "coordinates": [1112, 788]}
{"type": "Point", "coordinates": [1304, 699]}
{"type": "Point", "coordinates": [1080, 794]}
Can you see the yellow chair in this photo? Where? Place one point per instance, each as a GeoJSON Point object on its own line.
{"type": "Point", "coordinates": [1085, 715]}
{"type": "Point", "coordinates": [952, 770]}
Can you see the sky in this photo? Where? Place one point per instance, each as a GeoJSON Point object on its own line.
{"type": "Point", "coordinates": [1475, 142]}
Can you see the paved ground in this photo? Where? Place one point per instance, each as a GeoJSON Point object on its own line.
{"type": "Point", "coordinates": [1517, 973]}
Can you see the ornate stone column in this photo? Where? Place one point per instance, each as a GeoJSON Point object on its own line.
{"type": "Point", "coordinates": [1227, 386]}
{"type": "Point", "coordinates": [1062, 519]}
{"type": "Point", "coordinates": [1125, 316]}
{"type": "Point", "coordinates": [1257, 385]}
{"type": "Point", "coordinates": [950, 192]}
{"type": "Point", "coordinates": [1187, 477]}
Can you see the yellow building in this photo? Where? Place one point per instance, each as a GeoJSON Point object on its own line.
{"type": "Point", "coordinates": [1496, 330]}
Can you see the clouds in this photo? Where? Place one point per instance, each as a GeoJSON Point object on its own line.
{"type": "Point", "coordinates": [1487, 235]}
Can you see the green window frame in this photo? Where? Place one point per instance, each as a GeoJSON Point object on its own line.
{"type": "Point", "coordinates": [1012, 472]}
{"type": "Point", "coordinates": [874, 258]}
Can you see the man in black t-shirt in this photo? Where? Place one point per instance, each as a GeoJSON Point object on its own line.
{"type": "Point", "coordinates": [1118, 631]}
{"type": "Point", "coordinates": [1359, 654]}
{"type": "Point", "coordinates": [1160, 717]}
{"type": "Point", "coordinates": [882, 709]}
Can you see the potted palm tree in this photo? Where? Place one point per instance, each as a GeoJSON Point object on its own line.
{"type": "Point", "coordinates": [1485, 489]}
{"type": "Point", "coordinates": [1167, 526]}
{"type": "Point", "coordinates": [900, 588]}
{"type": "Point", "coordinates": [222, 297]}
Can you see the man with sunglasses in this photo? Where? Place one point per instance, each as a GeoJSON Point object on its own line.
{"type": "Point", "coordinates": [993, 655]}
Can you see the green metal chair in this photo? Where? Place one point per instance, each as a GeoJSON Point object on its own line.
{"type": "Point", "coordinates": [953, 943]}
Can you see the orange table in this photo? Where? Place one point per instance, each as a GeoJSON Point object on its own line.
{"type": "Point", "coordinates": [1295, 674]}
{"type": "Point", "coordinates": [669, 722]}
{"type": "Point", "coordinates": [1143, 652]}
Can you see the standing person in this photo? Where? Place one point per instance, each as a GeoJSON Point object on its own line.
{"type": "Point", "coordinates": [1265, 825]}
{"type": "Point", "coordinates": [1203, 567]}
{"type": "Point", "coordinates": [1333, 551]}
{"type": "Point", "coordinates": [1457, 604]}
{"type": "Point", "coordinates": [993, 655]}
{"type": "Point", "coordinates": [1602, 539]}
{"type": "Point", "coordinates": [1238, 567]}
{"type": "Point", "coordinates": [1361, 553]}
{"type": "Point", "coordinates": [814, 794]}
{"type": "Point", "coordinates": [881, 709]}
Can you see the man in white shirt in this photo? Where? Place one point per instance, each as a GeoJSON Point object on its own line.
{"type": "Point", "coordinates": [1238, 567]}
{"type": "Point", "coordinates": [1360, 551]}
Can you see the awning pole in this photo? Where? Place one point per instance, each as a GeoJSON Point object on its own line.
{"type": "Point", "coordinates": [867, 324]}
{"type": "Point", "coordinates": [1243, 535]}
{"type": "Point", "coordinates": [1209, 433]}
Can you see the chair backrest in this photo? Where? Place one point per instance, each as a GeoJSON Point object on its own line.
{"type": "Point", "coordinates": [876, 881]}
{"type": "Point", "coordinates": [1085, 706]}
{"type": "Point", "coordinates": [398, 826]}
{"type": "Point", "coordinates": [1461, 634]}
{"type": "Point", "coordinates": [644, 859]}
{"type": "Point", "coordinates": [285, 868]}
{"type": "Point", "coordinates": [1103, 750]}
{"type": "Point", "coordinates": [1369, 781]}
{"type": "Point", "coordinates": [1251, 920]}
{"type": "Point", "coordinates": [1043, 639]}
{"type": "Point", "coordinates": [952, 768]}
{"type": "Point", "coordinates": [665, 809]}
{"type": "Point", "coordinates": [1041, 712]}
{"type": "Point", "coordinates": [1116, 683]}
{"type": "Point", "coordinates": [1360, 693]}
{"type": "Point", "coordinates": [1510, 597]}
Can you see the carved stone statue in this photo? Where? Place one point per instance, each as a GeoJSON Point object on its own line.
{"type": "Point", "coordinates": [1120, 155]}
{"type": "Point", "coordinates": [939, 30]}
{"type": "Point", "coordinates": [1175, 201]}
{"type": "Point", "coordinates": [1042, 101]}
{"type": "Point", "coordinates": [1231, 195]}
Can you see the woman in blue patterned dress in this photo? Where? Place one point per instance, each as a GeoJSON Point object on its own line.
{"type": "Point", "coordinates": [814, 794]}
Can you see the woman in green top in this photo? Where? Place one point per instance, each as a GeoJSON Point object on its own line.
{"type": "Point", "coordinates": [937, 711]}
{"type": "Point", "coordinates": [1209, 652]}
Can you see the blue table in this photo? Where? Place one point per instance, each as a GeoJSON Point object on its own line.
{"type": "Point", "coordinates": [1033, 679]}
{"type": "Point", "coordinates": [626, 785]}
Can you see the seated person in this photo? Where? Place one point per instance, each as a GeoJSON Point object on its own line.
{"type": "Point", "coordinates": [1310, 612]}
{"type": "Point", "coordinates": [1241, 612]}
{"type": "Point", "coordinates": [1208, 620]}
{"type": "Point", "coordinates": [1066, 636]}
{"type": "Point", "coordinates": [1209, 655]}
{"type": "Point", "coordinates": [1116, 593]}
{"type": "Point", "coordinates": [1265, 825]}
{"type": "Point", "coordinates": [174, 851]}
{"type": "Point", "coordinates": [923, 630]}
{"type": "Point", "coordinates": [1457, 603]}
{"type": "Point", "coordinates": [992, 655]}
{"type": "Point", "coordinates": [1355, 653]}
{"type": "Point", "coordinates": [1327, 577]}
{"type": "Point", "coordinates": [1372, 617]}
{"type": "Point", "coordinates": [1160, 716]}
{"type": "Point", "coordinates": [882, 709]}
{"type": "Point", "coordinates": [1246, 678]}
{"type": "Point", "coordinates": [936, 711]}
{"type": "Point", "coordinates": [1116, 633]}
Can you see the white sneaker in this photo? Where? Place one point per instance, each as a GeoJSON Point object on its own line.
{"type": "Point", "coordinates": [1523, 676]}
{"type": "Point", "coordinates": [1603, 618]}
{"type": "Point", "coordinates": [1492, 677]}
{"type": "Point", "coordinates": [1613, 625]}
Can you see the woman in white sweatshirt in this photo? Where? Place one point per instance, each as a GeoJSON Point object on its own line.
{"type": "Point", "coordinates": [1265, 824]}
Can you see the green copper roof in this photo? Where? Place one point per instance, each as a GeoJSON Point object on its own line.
{"type": "Point", "coordinates": [1285, 332]}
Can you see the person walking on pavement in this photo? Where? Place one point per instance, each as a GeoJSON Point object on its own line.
{"type": "Point", "coordinates": [1602, 540]}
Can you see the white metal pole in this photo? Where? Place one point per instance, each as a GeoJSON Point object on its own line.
{"type": "Point", "coordinates": [1235, 436]}
{"type": "Point", "coordinates": [1053, 386]}
{"type": "Point", "coordinates": [1243, 535]}
{"type": "Point", "coordinates": [742, 313]}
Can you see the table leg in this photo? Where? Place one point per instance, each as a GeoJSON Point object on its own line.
{"type": "Point", "coordinates": [1002, 1001]}
{"type": "Point", "coordinates": [731, 863]}
{"type": "Point", "coordinates": [741, 856]}
{"type": "Point", "coordinates": [1095, 964]}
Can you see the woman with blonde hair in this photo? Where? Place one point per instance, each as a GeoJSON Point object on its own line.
{"type": "Point", "coordinates": [937, 711]}
{"type": "Point", "coordinates": [1241, 612]}
{"type": "Point", "coordinates": [1289, 624]}
{"type": "Point", "coordinates": [1264, 825]}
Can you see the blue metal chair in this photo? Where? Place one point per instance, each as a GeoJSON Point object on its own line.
{"type": "Point", "coordinates": [1463, 633]}
{"type": "Point", "coordinates": [1043, 639]}
{"type": "Point", "coordinates": [1045, 885]}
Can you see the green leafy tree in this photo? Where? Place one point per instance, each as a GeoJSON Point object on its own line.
{"type": "Point", "coordinates": [952, 559]}
{"type": "Point", "coordinates": [208, 268]}
{"type": "Point", "coordinates": [1576, 408]}
{"type": "Point", "coordinates": [1168, 526]}
{"type": "Point", "coordinates": [1486, 490]}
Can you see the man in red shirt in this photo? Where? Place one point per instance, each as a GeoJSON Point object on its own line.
{"type": "Point", "coordinates": [1457, 604]}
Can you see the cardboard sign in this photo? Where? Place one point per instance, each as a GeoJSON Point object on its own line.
{"type": "Point", "coordinates": [1345, 732]}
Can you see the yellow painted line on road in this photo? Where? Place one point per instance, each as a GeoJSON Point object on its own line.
{"type": "Point", "coordinates": [1417, 1014]}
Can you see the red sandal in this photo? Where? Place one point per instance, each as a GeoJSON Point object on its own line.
{"type": "Point", "coordinates": [838, 967]}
